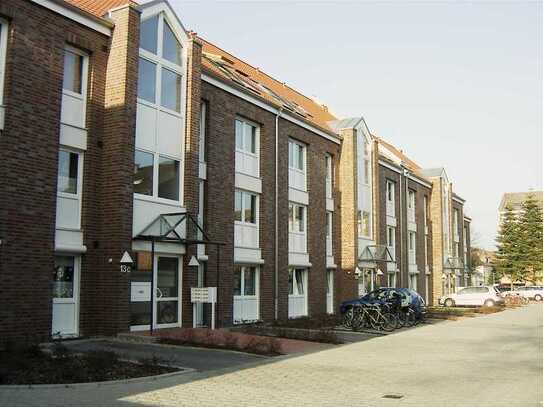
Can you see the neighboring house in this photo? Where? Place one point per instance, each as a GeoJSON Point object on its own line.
{"type": "Point", "coordinates": [124, 135]}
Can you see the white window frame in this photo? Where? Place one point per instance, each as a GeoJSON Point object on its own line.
{"type": "Point", "coordinates": [84, 81]}
{"type": "Point", "coordinates": [154, 197]}
{"type": "Point", "coordinates": [366, 171]}
{"type": "Point", "coordinates": [391, 240]}
{"type": "Point", "coordinates": [242, 295]}
{"type": "Point", "coordinates": [412, 237]}
{"type": "Point", "coordinates": [202, 132]}
{"type": "Point", "coordinates": [294, 226]}
{"type": "Point", "coordinates": [390, 191]}
{"type": "Point", "coordinates": [303, 148]}
{"type": "Point", "coordinates": [411, 204]}
{"type": "Point", "coordinates": [361, 214]}
{"type": "Point", "coordinates": [329, 233]}
{"type": "Point", "coordinates": [78, 196]}
{"type": "Point", "coordinates": [329, 175]}
{"type": "Point", "coordinates": [3, 51]}
{"type": "Point", "coordinates": [256, 155]}
{"type": "Point", "coordinates": [257, 208]}
{"type": "Point", "coordinates": [392, 279]}
{"type": "Point", "coordinates": [160, 63]}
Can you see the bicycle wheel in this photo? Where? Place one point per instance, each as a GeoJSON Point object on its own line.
{"type": "Point", "coordinates": [390, 321]}
{"type": "Point", "coordinates": [411, 318]}
{"type": "Point", "coordinates": [358, 319]}
{"type": "Point", "coordinates": [377, 321]}
{"type": "Point", "coordinates": [348, 318]}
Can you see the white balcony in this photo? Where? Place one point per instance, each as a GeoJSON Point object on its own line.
{"type": "Point", "coordinates": [297, 242]}
{"type": "Point", "coordinates": [297, 306]}
{"type": "Point", "coordinates": [247, 163]}
{"type": "Point", "coordinates": [246, 235]}
{"type": "Point", "coordinates": [297, 179]}
{"type": "Point", "coordinates": [245, 309]}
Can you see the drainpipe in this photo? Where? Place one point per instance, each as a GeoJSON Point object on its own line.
{"type": "Point", "coordinates": [276, 211]}
{"type": "Point", "coordinates": [404, 247]}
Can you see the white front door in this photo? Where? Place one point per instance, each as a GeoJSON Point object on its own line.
{"type": "Point", "coordinates": [167, 304]}
{"type": "Point", "coordinates": [330, 291]}
{"type": "Point", "coordinates": [66, 296]}
{"type": "Point", "coordinates": [297, 294]}
{"type": "Point", "coordinates": [246, 294]}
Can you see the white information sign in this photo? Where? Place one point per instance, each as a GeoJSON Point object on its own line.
{"type": "Point", "coordinates": [205, 295]}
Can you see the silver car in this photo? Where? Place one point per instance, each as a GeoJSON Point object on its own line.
{"type": "Point", "coordinates": [531, 292]}
{"type": "Point", "coordinates": [485, 295]}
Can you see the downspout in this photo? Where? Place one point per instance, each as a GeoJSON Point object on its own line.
{"type": "Point", "coordinates": [404, 247]}
{"type": "Point", "coordinates": [276, 214]}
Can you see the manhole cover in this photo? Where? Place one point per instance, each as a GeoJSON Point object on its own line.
{"type": "Point", "coordinates": [393, 396]}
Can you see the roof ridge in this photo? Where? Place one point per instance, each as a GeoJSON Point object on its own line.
{"type": "Point", "coordinates": [266, 74]}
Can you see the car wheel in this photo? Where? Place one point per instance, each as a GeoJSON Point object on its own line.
{"type": "Point", "coordinates": [489, 303]}
{"type": "Point", "coordinates": [538, 297]}
{"type": "Point", "coordinates": [449, 302]}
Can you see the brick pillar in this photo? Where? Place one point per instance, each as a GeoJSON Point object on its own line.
{"type": "Point", "coordinates": [348, 186]}
{"type": "Point", "coordinates": [116, 190]}
{"type": "Point", "coordinates": [436, 216]}
{"type": "Point", "coordinates": [191, 179]}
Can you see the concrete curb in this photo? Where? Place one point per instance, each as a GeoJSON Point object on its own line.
{"type": "Point", "coordinates": [96, 384]}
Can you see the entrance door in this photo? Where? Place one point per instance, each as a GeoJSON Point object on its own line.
{"type": "Point", "coordinates": [66, 296]}
{"type": "Point", "coordinates": [167, 305]}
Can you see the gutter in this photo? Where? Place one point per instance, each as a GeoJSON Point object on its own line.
{"type": "Point", "coordinates": [276, 213]}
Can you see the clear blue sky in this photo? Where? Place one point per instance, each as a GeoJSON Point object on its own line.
{"type": "Point", "coordinates": [457, 85]}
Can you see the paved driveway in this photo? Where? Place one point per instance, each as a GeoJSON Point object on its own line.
{"type": "Point", "coordinates": [494, 360]}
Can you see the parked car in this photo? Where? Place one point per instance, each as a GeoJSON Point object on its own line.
{"type": "Point", "coordinates": [485, 295]}
{"type": "Point", "coordinates": [530, 292]}
{"type": "Point", "coordinates": [409, 298]}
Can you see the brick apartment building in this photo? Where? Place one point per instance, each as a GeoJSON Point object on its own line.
{"type": "Point", "coordinates": [122, 132]}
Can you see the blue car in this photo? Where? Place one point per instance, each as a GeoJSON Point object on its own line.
{"type": "Point", "coordinates": [409, 298]}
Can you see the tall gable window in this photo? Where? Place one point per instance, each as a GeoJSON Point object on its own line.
{"type": "Point", "coordinates": [160, 117]}
{"type": "Point", "coordinates": [160, 66]}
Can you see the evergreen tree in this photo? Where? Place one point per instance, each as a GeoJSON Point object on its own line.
{"type": "Point", "coordinates": [531, 240]}
{"type": "Point", "coordinates": [508, 245]}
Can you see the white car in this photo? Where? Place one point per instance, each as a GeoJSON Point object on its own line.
{"type": "Point", "coordinates": [534, 292]}
{"type": "Point", "coordinates": [485, 295]}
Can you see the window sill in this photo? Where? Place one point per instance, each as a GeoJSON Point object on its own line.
{"type": "Point", "coordinates": [162, 201]}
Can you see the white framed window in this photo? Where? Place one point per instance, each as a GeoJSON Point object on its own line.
{"type": "Point", "coordinates": [330, 291]}
{"type": "Point", "coordinates": [3, 51]}
{"type": "Point", "coordinates": [245, 207]}
{"type": "Point", "coordinates": [74, 86]}
{"type": "Point", "coordinates": [69, 188]}
{"type": "Point", "coordinates": [391, 280]}
{"type": "Point", "coordinates": [160, 81]}
{"type": "Point", "coordinates": [426, 212]}
{"type": "Point", "coordinates": [390, 191]}
{"type": "Point", "coordinates": [245, 281]}
{"type": "Point", "coordinates": [297, 292]}
{"type": "Point", "coordinates": [364, 224]}
{"type": "Point", "coordinates": [202, 132]}
{"type": "Point", "coordinates": [390, 198]}
{"type": "Point", "coordinates": [366, 171]}
{"type": "Point", "coordinates": [413, 278]}
{"type": "Point", "coordinates": [329, 175]}
{"type": "Point", "coordinates": [412, 238]}
{"type": "Point", "coordinates": [391, 240]}
{"type": "Point", "coordinates": [297, 227]}
{"type": "Point", "coordinates": [157, 175]}
{"type": "Point", "coordinates": [247, 147]}
{"type": "Point", "coordinates": [297, 163]}
{"type": "Point", "coordinates": [297, 218]}
{"type": "Point", "coordinates": [329, 233]}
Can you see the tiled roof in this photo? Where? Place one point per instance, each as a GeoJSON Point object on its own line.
{"type": "Point", "coordinates": [233, 70]}
{"type": "Point", "coordinates": [98, 7]}
{"type": "Point", "coordinates": [410, 164]}
{"type": "Point", "coordinates": [515, 199]}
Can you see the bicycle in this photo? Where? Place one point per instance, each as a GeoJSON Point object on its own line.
{"type": "Point", "coordinates": [372, 316]}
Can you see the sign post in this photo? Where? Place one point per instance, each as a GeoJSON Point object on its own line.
{"type": "Point", "coordinates": [205, 295]}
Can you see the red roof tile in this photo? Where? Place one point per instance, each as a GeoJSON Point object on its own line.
{"type": "Point", "coordinates": [98, 7]}
{"type": "Point", "coordinates": [232, 69]}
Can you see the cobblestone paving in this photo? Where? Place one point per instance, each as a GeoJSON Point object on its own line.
{"type": "Point", "coordinates": [494, 360]}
